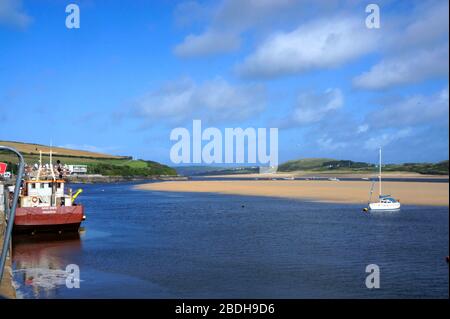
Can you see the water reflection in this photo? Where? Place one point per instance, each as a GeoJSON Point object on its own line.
{"type": "Point", "coordinates": [145, 245]}
{"type": "Point", "coordinates": [40, 263]}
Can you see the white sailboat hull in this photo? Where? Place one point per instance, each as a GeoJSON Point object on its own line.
{"type": "Point", "coordinates": [384, 206]}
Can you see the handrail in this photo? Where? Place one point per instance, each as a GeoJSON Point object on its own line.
{"type": "Point", "coordinates": [12, 213]}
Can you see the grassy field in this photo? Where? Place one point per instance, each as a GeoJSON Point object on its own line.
{"type": "Point", "coordinates": [29, 148]}
{"type": "Point", "coordinates": [327, 165]}
{"type": "Point", "coordinates": [98, 163]}
{"type": "Point", "coordinates": [303, 164]}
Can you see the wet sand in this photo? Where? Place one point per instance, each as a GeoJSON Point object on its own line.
{"type": "Point", "coordinates": [412, 193]}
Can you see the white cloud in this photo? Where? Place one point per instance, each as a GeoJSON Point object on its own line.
{"type": "Point", "coordinates": [312, 107]}
{"type": "Point", "coordinates": [427, 24]}
{"type": "Point", "coordinates": [11, 14]}
{"type": "Point", "coordinates": [329, 144]}
{"type": "Point", "coordinates": [228, 20]}
{"type": "Point", "coordinates": [404, 123]}
{"type": "Point", "coordinates": [405, 69]}
{"type": "Point", "coordinates": [242, 14]}
{"type": "Point", "coordinates": [324, 43]}
{"type": "Point", "coordinates": [362, 128]}
{"type": "Point", "coordinates": [210, 42]}
{"type": "Point", "coordinates": [415, 48]}
{"type": "Point", "coordinates": [214, 100]}
{"type": "Point", "coordinates": [413, 111]}
{"type": "Point", "coordinates": [385, 139]}
{"type": "Point", "coordinates": [188, 12]}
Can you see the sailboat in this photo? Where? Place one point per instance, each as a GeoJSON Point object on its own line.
{"type": "Point", "coordinates": [385, 202]}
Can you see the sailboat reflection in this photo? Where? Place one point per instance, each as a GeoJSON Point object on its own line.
{"type": "Point", "coordinates": [40, 262]}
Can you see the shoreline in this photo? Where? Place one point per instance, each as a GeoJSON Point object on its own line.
{"type": "Point", "coordinates": [96, 179]}
{"type": "Point", "coordinates": [93, 179]}
{"type": "Point", "coordinates": [351, 192]}
{"type": "Point", "coordinates": [336, 174]}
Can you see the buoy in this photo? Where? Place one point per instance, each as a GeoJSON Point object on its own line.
{"type": "Point", "coordinates": [365, 209]}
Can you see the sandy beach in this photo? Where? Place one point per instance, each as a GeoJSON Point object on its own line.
{"type": "Point", "coordinates": [412, 193]}
{"type": "Point", "coordinates": [337, 174]}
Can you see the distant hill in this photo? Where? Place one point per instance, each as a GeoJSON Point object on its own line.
{"type": "Point", "coordinates": [440, 168]}
{"type": "Point", "coordinates": [33, 149]}
{"type": "Point", "coordinates": [98, 163]}
{"type": "Point", "coordinates": [196, 170]}
{"type": "Point", "coordinates": [214, 170]}
{"type": "Point", "coordinates": [303, 164]}
{"type": "Point", "coordinates": [327, 164]}
{"type": "Point", "coordinates": [320, 165]}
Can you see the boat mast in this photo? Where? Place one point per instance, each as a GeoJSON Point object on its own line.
{"type": "Point", "coordinates": [379, 176]}
{"type": "Point", "coordinates": [51, 165]}
{"type": "Point", "coordinates": [40, 165]}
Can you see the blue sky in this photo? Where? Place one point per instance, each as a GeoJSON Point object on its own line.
{"type": "Point", "coordinates": [137, 69]}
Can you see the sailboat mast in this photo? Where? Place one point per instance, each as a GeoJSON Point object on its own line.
{"type": "Point", "coordinates": [379, 176]}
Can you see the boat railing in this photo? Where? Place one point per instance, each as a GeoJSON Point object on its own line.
{"type": "Point", "coordinates": [12, 211]}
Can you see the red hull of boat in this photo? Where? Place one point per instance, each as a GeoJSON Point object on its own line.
{"type": "Point", "coordinates": [48, 218]}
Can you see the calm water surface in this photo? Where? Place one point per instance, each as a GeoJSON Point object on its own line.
{"type": "Point", "coordinates": [139, 244]}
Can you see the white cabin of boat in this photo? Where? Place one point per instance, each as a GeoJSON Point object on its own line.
{"type": "Point", "coordinates": [45, 193]}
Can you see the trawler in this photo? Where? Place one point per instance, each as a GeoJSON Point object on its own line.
{"type": "Point", "coordinates": [44, 204]}
{"type": "Point", "coordinates": [385, 202]}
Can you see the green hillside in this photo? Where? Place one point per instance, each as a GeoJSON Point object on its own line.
{"type": "Point", "coordinates": [104, 164]}
{"type": "Point", "coordinates": [327, 165]}
{"type": "Point", "coordinates": [303, 164]}
{"type": "Point", "coordinates": [440, 168]}
{"type": "Point", "coordinates": [33, 149]}
{"type": "Point", "coordinates": [215, 170]}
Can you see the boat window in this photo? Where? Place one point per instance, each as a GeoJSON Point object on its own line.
{"type": "Point", "coordinates": [42, 185]}
{"type": "Point", "coordinates": [33, 185]}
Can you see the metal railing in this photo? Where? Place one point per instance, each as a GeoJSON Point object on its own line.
{"type": "Point", "coordinates": [12, 212]}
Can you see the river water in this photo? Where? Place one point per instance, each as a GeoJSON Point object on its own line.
{"type": "Point", "coordinates": [141, 244]}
